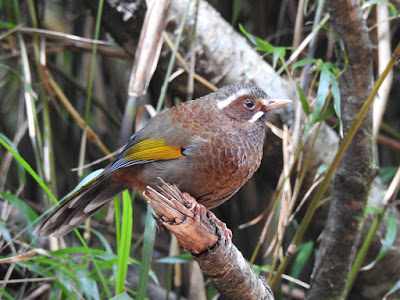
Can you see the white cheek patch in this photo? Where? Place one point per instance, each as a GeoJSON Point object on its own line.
{"type": "Point", "coordinates": [224, 103]}
{"type": "Point", "coordinates": [256, 116]}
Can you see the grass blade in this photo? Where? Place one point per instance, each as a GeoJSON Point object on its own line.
{"type": "Point", "coordinates": [146, 254]}
{"type": "Point", "coordinates": [124, 244]}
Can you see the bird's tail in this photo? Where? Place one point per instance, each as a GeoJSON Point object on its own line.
{"type": "Point", "coordinates": [82, 204]}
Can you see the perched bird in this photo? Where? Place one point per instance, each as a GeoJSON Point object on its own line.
{"type": "Point", "coordinates": [208, 147]}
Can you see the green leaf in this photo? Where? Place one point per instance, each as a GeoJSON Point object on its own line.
{"type": "Point", "coordinates": [251, 37]}
{"type": "Point", "coordinates": [235, 11]}
{"type": "Point", "coordinates": [5, 25]}
{"type": "Point", "coordinates": [322, 93]}
{"type": "Point", "coordinates": [387, 173]}
{"type": "Point", "coordinates": [101, 254]}
{"type": "Point", "coordinates": [102, 239]}
{"type": "Point", "coordinates": [6, 294]}
{"type": "Point", "coordinates": [278, 52]}
{"type": "Point", "coordinates": [29, 169]}
{"type": "Point", "coordinates": [23, 208]}
{"type": "Point", "coordinates": [372, 210]}
{"type": "Point", "coordinates": [322, 169]}
{"type": "Point", "coordinates": [125, 243]}
{"type": "Point", "coordinates": [392, 8]}
{"type": "Point", "coordinates": [178, 259]}
{"type": "Point", "coordinates": [328, 113]}
{"type": "Point", "coordinates": [122, 296]}
{"type": "Point", "coordinates": [391, 230]}
{"type": "Point", "coordinates": [303, 254]}
{"type": "Point", "coordinates": [336, 100]}
{"type": "Point", "coordinates": [395, 288]}
{"type": "Point", "coordinates": [21, 170]}
{"type": "Point", "coordinates": [303, 100]}
{"type": "Point", "coordinates": [87, 285]}
{"type": "Point", "coordinates": [5, 234]}
{"type": "Point", "coordinates": [147, 253]}
{"type": "Point", "coordinates": [62, 283]}
{"type": "Point", "coordinates": [303, 62]}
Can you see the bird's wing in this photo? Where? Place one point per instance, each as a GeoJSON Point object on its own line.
{"type": "Point", "coordinates": [142, 150]}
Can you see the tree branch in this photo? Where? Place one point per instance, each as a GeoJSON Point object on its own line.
{"type": "Point", "coordinates": [220, 260]}
{"type": "Point", "coordinates": [355, 172]}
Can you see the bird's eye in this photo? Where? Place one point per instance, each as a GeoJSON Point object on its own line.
{"type": "Point", "coordinates": [249, 104]}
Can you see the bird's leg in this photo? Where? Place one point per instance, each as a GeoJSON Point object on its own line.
{"type": "Point", "coordinates": [201, 209]}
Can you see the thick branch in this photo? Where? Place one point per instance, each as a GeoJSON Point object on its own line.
{"type": "Point", "coordinates": [221, 261]}
{"type": "Point", "coordinates": [355, 172]}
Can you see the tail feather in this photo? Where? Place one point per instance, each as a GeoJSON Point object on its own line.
{"type": "Point", "coordinates": [79, 206]}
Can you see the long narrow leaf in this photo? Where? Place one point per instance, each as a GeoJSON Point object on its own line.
{"type": "Point", "coordinates": [336, 100]}
{"type": "Point", "coordinates": [125, 243]}
{"type": "Point", "coordinates": [390, 236]}
{"type": "Point", "coordinates": [28, 213]}
{"type": "Point", "coordinates": [21, 169]}
{"type": "Point", "coordinates": [29, 169]}
{"type": "Point", "coordinates": [322, 93]}
{"type": "Point", "coordinates": [148, 244]}
{"type": "Point", "coordinates": [303, 100]}
{"type": "Point", "coordinates": [395, 288]}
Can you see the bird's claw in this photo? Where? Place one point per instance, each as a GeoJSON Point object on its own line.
{"type": "Point", "coordinates": [201, 209]}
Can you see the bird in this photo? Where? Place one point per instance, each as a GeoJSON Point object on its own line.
{"type": "Point", "coordinates": [208, 147]}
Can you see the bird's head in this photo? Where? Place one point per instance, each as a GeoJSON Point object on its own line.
{"type": "Point", "coordinates": [246, 102]}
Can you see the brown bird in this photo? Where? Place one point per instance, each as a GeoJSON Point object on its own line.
{"type": "Point", "coordinates": [208, 147]}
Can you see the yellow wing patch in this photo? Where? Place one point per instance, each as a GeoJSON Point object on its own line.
{"type": "Point", "coordinates": [145, 149]}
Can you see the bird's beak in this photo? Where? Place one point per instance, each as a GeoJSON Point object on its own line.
{"type": "Point", "coordinates": [269, 104]}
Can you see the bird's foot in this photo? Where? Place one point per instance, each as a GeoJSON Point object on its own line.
{"type": "Point", "coordinates": [222, 225]}
{"type": "Point", "coordinates": [202, 210]}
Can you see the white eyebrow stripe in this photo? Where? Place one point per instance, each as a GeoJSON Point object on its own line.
{"type": "Point", "coordinates": [224, 103]}
{"type": "Point", "coordinates": [256, 116]}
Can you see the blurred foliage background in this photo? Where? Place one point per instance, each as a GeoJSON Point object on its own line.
{"type": "Point", "coordinates": [46, 134]}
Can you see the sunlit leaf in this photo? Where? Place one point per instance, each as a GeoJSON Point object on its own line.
{"type": "Point", "coordinates": [373, 210]}
{"type": "Point", "coordinates": [251, 37]}
{"type": "Point", "coordinates": [392, 8]}
{"type": "Point", "coordinates": [264, 46]}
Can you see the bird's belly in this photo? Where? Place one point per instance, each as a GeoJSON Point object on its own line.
{"type": "Point", "coordinates": [212, 174]}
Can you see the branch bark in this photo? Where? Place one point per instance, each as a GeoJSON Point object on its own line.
{"type": "Point", "coordinates": [355, 172]}
{"type": "Point", "coordinates": [220, 260]}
